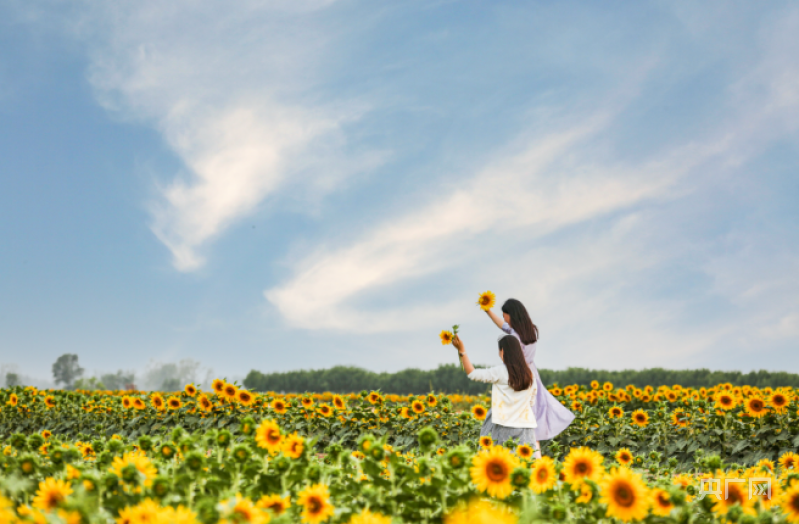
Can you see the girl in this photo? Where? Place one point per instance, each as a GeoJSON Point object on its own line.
{"type": "Point", "coordinates": [512, 393]}
{"type": "Point", "coordinates": [551, 415]}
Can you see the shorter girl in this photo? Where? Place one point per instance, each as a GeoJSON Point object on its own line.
{"type": "Point", "coordinates": [512, 392]}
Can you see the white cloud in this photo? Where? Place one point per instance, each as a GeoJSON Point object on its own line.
{"type": "Point", "coordinates": [233, 93]}
{"type": "Point", "coordinates": [540, 189]}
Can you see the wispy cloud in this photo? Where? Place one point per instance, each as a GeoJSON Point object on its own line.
{"type": "Point", "coordinates": [541, 187]}
{"type": "Point", "coordinates": [233, 94]}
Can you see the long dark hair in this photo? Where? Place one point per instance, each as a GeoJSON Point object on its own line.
{"type": "Point", "coordinates": [520, 321]}
{"type": "Point", "coordinates": [519, 375]}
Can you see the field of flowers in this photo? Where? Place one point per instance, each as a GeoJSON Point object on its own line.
{"type": "Point", "coordinates": [232, 455]}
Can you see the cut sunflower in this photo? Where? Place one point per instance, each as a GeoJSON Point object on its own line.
{"type": "Point", "coordinates": [486, 300]}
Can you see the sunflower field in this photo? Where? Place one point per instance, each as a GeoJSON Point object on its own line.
{"type": "Point", "coordinates": [232, 455]}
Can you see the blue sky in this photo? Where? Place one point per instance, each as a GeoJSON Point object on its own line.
{"type": "Point", "coordinates": [298, 184]}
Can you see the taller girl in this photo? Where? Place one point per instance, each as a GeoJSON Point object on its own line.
{"type": "Point", "coordinates": [552, 417]}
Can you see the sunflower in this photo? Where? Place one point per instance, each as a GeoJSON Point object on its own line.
{"type": "Point", "coordinates": [480, 511]}
{"type": "Point", "coordinates": [174, 403]}
{"type": "Point", "coordinates": [417, 406]}
{"type": "Point", "coordinates": [51, 493]}
{"type": "Point", "coordinates": [640, 418]}
{"type": "Point", "coordinates": [367, 517]}
{"type": "Point", "coordinates": [245, 397]}
{"type": "Point", "coordinates": [275, 503]}
{"type": "Point", "coordinates": [594, 384]}
{"type": "Point", "coordinates": [671, 396]}
{"type": "Point", "coordinates": [46, 433]}
{"type": "Point", "coordinates": [735, 494]}
{"type": "Point", "coordinates": [13, 399]}
{"type": "Point", "coordinates": [625, 495]}
{"type": "Point", "coordinates": [615, 412]}
{"type": "Point", "coordinates": [524, 451]}
{"type": "Point", "coordinates": [293, 446]}
{"type": "Point", "coordinates": [765, 464]}
{"type": "Point", "coordinates": [586, 494]}
{"type": "Point", "coordinates": [158, 401]}
{"type": "Point", "coordinates": [680, 418]}
{"type": "Point", "coordinates": [139, 404]}
{"type": "Point", "coordinates": [577, 406]}
{"type": "Point", "coordinates": [756, 407]}
{"type": "Point", "coordinates": [661, 502]}
{"type": "Point", "coordinates": [725, 401]}
{"type": "Point", "coordinates": [138, 460]}
{"type": "Point", "coordinates": [446, 337]}
{"type": "Point", "coordinates": [205, 403]}
{"type": "Point", "coordinates": [624, 457]}
{"type": "Point", "coordinates": [325, 410]}
{"type": "Point", "coordinates": [307, 402]}
{"type": "Point", "coordinates": [779, 401]}
{"type": "Point", "coordinates": [279, 406]}
{"type": "Point", "coordinates": [241, 509]}
{"type": "Point", "coordinates": [607, 386]}
{"type": "Point", "coordinates": [229, 391]}
{"type": "Point", "coordinates": [431, 400]}
{"type": "Point", "coordinates": [491, 470]}
{"type": "Point", "coordinates": [268, 436]}
{"type": "Point", "coordinates": [374, 398]}
{"type": "Point", "coordinates": [479, 412]}
{"type": "Point", "coordinates": [190, 390]}
{"type": "Point", "coordinates": [218, 385]}
{"type": "Point", "coordinates": [405, 413]}
{"type": "Point", "coordinates": [487, 300]}
{"type": "Point", "coordinates": [543, 476]}
{"type": "Point", "coordinates": [486, 441]}
{"type": "Point", "coordinates": [315, 503]}
{"type": "Point", "coordinates": [49, 401]}
{"type": "Point", "coordinates": [790, 503]}
{"type": "Point", "coordinates": [789, 460]}
{"type": "Point", "coordinates": [582, 464]}
{"type": "Point", "coordinates": [338, 402]}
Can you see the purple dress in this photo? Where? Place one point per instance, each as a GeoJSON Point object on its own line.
{"type": "Point", "coordinates": [552, 416]}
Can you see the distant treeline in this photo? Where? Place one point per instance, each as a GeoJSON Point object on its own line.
{"type": "Point", "coordinates": [343, 379]}
{"type": "Point", "coordinates": [450, 379]}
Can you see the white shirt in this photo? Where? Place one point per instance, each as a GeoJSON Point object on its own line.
{"type": "Point", "coordinates": [509, 407]}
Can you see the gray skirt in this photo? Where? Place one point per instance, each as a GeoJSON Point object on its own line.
{"type": "Point", "coordinates": [499, 433]}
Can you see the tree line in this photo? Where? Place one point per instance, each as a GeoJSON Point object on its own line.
{"type": "Point", "coordinates": [450, 379]}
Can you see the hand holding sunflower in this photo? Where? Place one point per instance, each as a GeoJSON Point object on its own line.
{"type": "Point", "coordinates": [448, 336]}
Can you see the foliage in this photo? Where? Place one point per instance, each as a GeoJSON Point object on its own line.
{"type": "Point", "coordinates": [695, 378]}
{"type": "Point", "coordinates": [676, 422]}
{"type": "Point", "coordinates": [12, 379]}
{"type": "Point", "coordinates": [262, 473]}
{"type": "Point", "coordinates": [119, 380]}
{"type": "Point", "coordinates": [343, 379]}
{"type": "Point", "coordinates": [66, 370]}
{"type": "Point", "coordinates": [450, 379]}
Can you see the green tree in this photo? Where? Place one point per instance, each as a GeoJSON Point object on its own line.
{"type": "Point", "coordinates": [12, 379]}
{"type": "Point", "coordinates": [119, 380]}
{"type": "Point", "coordinates": [66, 370]}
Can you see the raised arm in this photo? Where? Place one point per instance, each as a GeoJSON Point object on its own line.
{"type": "Point", "coordinates": [497, 320]}
{"type": "Point", "coordinates": [467, 364]}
